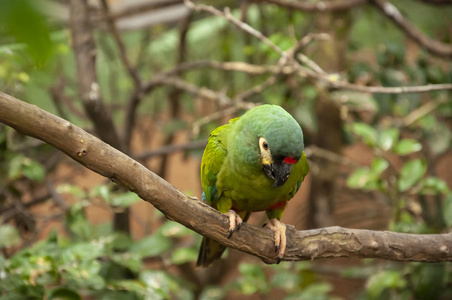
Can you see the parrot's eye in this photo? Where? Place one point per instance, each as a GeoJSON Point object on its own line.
{"type": "Point", "coordinates": [263, 144]}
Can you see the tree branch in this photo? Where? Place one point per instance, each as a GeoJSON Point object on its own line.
{"type": "Point", "coordinates": [318, 6]}
{"type": "Point", "coordinates": [85, 55]}
{"type": "Point", "coordinates": [412, 31]}
{"type": "Point", "coordinates": [194, 214]}
{"type": "Point", "coordinates": [98, 112]}
{"type": "Point", "coordinates": [121, 47]}
{"type": "Point", "coordinates": [314, 72]}
{"type": "Point", "coordinates": [437, 2]}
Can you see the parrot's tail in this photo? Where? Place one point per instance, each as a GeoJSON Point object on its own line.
{"type": "Point", "coordinates": [209, 252]}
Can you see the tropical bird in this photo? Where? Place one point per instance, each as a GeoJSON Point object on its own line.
{"type": "Point", "coordinates": [254, 163]}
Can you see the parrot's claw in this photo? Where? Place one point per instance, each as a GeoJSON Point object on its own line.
{"type": "Point", "coordinates": [279, 231]}
{"type": "Point", "coordinates": [235, 222]}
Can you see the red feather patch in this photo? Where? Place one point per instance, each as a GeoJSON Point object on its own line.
{"type": "Point", "coordinates": [290, 160]}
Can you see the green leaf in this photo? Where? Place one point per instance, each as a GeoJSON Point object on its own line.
{"type": "Point", "coordinates": [9, 236]}
{"type": "Point", "coordinates": [434, 186]}
{"type": "Point", "coordinates": [253, 279]}
{"type": "Point", "coordinates": [383, 281]}
{"type": "Point", "coordinates": [63, 293]}
{"type": "Point", "coordinates": [447, 210]}
{"type": "Point", "coordinates": [120, 241]}
{"type": "Point", "coordinates": [361, 271]}
{"type": "Point", "coordinates": [134, 286]}
{"type": "Point", "coordinates": [13, 14]}
{"type": "Point", "coordinates": [379, 165]}
{"type": "Point", "coordinates": [158, 283]}
{"type": "Point", "coordinates": [14, 167]}
{"type": "Point", "coordinates": [125, 199]}
{"type": "Point", "coordinates": [77, 222]}
{"type": "Point", "coordinates": [359, 178]}
{"type": "Point", "coordinates": [102, 191]}
{"type": "Point", "coordinates": [287, 281]}
{"type": "Point", "coordinates": [130, 260]}
{"type": "Point", "coordinates": [213, 293]}
{"type": "Point", "coordinates": [22, 165]}
{"type": "Point", "coordinates": [431, 281]}
{"type": "Point", "coordinates": [85, 273]}
{"type": "Point", "coordinates": [366, 132]}
{"type": "Point", "coordinates": [33, 170]}
{"type": "Point", "coordinates": [152, 245]}
{"type": "Point", "coordinates": [387, 138]}
{"type": "Point", "coordinates": [183, 255]}
{"type": "Point", "coordinates": [407, 146]}
{"type": "Point", "coordinates": [412, 171]}
{"type": "Point", "coordinates": [368, 178]}
{"type": "Point", "coordinates": [71, 189]}
{"type": "Point", "coordinates": [315, 291]}
{"type": "Point", "coordinates": [83, 252]}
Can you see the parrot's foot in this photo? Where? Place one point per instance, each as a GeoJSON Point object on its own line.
{"type": "Point", "coordinates": [279, 230]}
{"type": "Point", "coordinates": [235, 222]}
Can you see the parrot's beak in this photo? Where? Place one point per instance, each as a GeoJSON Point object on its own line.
{"type": "Point", "coordinates": [278, 171]}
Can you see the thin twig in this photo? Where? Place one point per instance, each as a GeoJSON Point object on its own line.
{"type": "Point", "coordinates": [89, 90]}
{"type": "Point", "coordinates": [434, 46]}
{"type": "Point", "coordinates": [175, 94]}
{"type": "Point", "coordinates": [316, 151]}
{"type": "Point", "coordinates": [310, 37]}
{"type": "Point", "coordinates": [188, 87]}
{"type": "Point", "coordinates": [133, 73]}
{"type": "Point", "coordinates": [169, 149]}
{"type": "Point", "coordinates": [317, 6]}
{"type": "Point", "coordinates": [312, 64]}
{"type": "Point", "coordinates": [422, 111]}
{"type": "Point", "coordinates": [316, 73]}
{"type": "Point", "coordinates": [122, 49]}
{"type": "Point", "coordinates": [141, 8]}
{"type": "Point", "coordinates": [243, 26]}
{"type": "Point", "coordinates": [196, 126]}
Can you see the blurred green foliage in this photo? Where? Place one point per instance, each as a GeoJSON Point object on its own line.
{"type": "Point", "coordinates": [92, 261]}
{"type": "Point", "coordinates": [23, 23]}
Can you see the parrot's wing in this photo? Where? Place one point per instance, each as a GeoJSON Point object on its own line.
{"type": "Point", "coordinates": [305, 170]}
{"type": "Point", "coordinates": [213, 159]}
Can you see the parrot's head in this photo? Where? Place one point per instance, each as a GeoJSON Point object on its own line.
{"type": "Point", "coordinates": [278, 139]}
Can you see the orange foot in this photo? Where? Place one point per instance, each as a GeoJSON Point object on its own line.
{"type": "Point", "coordinates": [279, 231]}
{"type": "Point", "coordinates": [235, 222]}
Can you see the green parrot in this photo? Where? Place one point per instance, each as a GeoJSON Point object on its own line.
{"type": "Point", "coordinates": [254, 163]}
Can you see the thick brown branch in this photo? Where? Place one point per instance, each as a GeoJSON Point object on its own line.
{"type": "Point", "coordinates": [192, 213]}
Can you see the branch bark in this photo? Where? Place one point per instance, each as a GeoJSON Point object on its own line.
{"type": "Point", "coordinates": [302, 245]}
